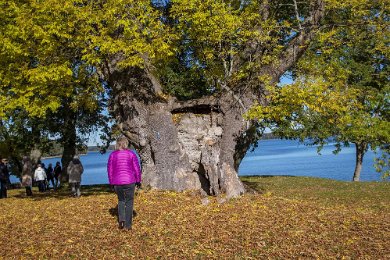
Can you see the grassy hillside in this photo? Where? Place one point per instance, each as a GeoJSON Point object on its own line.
{"type": "Point", "coordinates": [288, 217]}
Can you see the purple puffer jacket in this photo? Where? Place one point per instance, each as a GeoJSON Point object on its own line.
{"type": "Point", "coordinates": [123, 168]}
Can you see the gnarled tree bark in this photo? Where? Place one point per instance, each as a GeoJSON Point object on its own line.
{"type": "Point", "coordinates": [69, 139]}
{"type": "Point", "coordinates": [183, 145]}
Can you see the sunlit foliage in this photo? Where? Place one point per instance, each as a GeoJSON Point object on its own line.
{"type": "Point", "coordinates": [341, 88]}
{"type": "Point", "coordinates": [188, 44]}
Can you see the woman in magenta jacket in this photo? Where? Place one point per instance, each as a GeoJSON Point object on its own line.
{"type": "Point", "coordinates": [124, 174]}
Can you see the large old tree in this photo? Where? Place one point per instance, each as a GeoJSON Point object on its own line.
{"type": "Point", "coordinates": [181, 73]}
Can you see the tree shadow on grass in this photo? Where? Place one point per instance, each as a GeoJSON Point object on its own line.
{"type": "Point", "coordinates": [114, 212]}
{"type": "Point", "coordinates": [265, 176]}
{"type": "Point", "coordinates": [65, 192]}
{"type": "Point", "coordinates": [254, 186]}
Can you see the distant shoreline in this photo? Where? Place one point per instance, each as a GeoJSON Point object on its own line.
{"type": "Point", "coordinates": [50, 157]}
{"type": "Point", "coordinates": [58, 156]}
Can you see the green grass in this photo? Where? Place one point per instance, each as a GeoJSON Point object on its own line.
{"type": "Point", "coordinates": [375, 195]}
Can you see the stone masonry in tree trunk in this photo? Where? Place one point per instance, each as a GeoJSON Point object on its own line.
{"type": "Point", "coordinates": [208, 134]}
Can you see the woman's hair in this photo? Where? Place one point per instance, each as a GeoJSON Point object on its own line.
{"type": "Point", "coordinates": [121, 143]}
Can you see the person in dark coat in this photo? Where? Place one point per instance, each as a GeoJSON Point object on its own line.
{"type": "Point", "coordinates": [75, 169]}
{"type": "Point", "coordinates": [57, 172]}
{"type": "Point", "coordinates": [50, 176]}
{"type": "Point", "coordinates": [4, 178]}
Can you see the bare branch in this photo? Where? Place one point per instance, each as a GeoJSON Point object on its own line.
{"type": "Point", "coordinates": [231, 61]}
{"type": "Point", "coordinates": [237, 98]}
{"type": "Point", "coordinates": [228, 64]}
{"type": "Point", "coordinates": [149, 72]}
{"type": "Point", "coordinates": [264, 9]}
{"type": "Point", "coordinates": [297, 15]}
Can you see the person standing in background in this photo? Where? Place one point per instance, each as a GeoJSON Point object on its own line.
{"type": "Point", "coordinates": [57, 172]}
{"type": "Point", "coordinates": [124, 174]}
{"type": "Point", "coordinates": [40, 177]}
{"type": "Point", "coordinates": [50, 176]}
{"type": "Point", "coordinates": [45, 183]}
{"type": "Point", "coordinates": [27, 175]}
{"type": "Point", "coordinates": [75, 169]}
{"type": "Point", "coordinates": [4, 178]}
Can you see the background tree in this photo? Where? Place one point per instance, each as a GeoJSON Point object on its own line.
{"type": "Point", "coordinates": [42, 73]}
{"type": "Point", "coordinates": [78, 116]}
{"type": "Point", "coordinates": [21, 135]}
{"type": "Point", "coordinates": [52, 135]}
{"type": "Point", "coordinates": [341, 91]}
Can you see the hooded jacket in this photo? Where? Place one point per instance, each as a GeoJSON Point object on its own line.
{"type": "Point", "coordinates": [75, 169]}
{"type": "Point", "coordinates": [27, 172]}
{"type": "Point", "coordinates": [123, 168]}
{"type": "Point", "coordinates": [40, 174]}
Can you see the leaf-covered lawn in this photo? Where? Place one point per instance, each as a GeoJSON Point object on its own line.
{"type": "Point", "coordinates": [288, 218]}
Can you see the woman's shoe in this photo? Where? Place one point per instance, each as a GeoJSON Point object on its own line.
{"type": "Point", "coordinates": [121, 224]}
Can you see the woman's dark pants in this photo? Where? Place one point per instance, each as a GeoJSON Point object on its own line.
{"type": "Point", "coordinates": [28, 191]}
{"type": "Point", "coordinates": [3, 188]}
{"type": "Point", "coordinates": [125, 203]}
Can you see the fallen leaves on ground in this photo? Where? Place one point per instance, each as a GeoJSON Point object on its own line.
{"type": "Point", "coordinates": [171, 225]}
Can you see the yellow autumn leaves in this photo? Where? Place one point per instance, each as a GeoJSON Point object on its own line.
{"type": "Point", "coordinates": [290, 217]}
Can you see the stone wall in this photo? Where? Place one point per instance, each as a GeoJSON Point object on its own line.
{"type": "Point", "coordinates": [199, 136]}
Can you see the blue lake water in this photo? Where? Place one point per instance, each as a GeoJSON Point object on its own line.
{"type": "Point", "coordinates": [288, 157]}
{"type": "Point", "coordinates": [271, 157]}
{"type": "Point", "coordinates": [95, 167]}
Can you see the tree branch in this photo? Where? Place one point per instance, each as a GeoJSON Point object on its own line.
{"type": "Point", "coordinates": [149, 72]}
{"type": "Point", "coordinates": [264, 10]}
{"type": "Point", "coordinates": [237, 98]}
{"type": "Point", "coordinates": [297, 15]}
{"type": "Point", "coordinates": [298, 45]}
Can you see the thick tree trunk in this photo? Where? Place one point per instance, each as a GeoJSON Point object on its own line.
{"type": "Point", "coordinates": [69, 137]}
{"type": "Point", "coordinates": [360, 151]}
{"type": "Point", "coordinates": [183, 145]}
{"type": "Point", "coordinates": [35, 152]}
